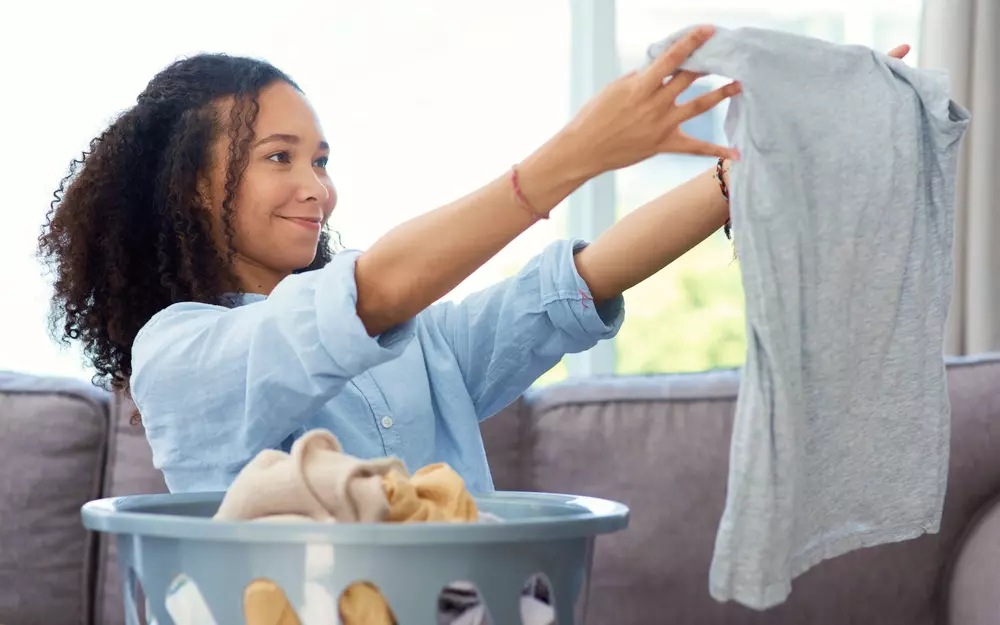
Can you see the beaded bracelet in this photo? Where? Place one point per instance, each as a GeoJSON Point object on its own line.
{"type": "Point", "coordinates": [728, 227]}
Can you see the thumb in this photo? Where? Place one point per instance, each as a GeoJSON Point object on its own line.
{"type": "Point", "coordinates": [685, 144]}
{"type": "Point", "coordinates": [899, 51]}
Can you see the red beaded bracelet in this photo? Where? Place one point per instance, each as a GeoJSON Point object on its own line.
{"type": "Point", "coordinates": [523, 201]}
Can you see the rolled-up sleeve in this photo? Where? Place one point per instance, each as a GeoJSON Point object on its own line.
{"type": "Point", "coordinates": [506, 336]}
{"type": "Point", "coordinates": [215, 385]}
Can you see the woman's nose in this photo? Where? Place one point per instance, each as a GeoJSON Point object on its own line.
{"type": "Point", "coordinates": [311, 188]}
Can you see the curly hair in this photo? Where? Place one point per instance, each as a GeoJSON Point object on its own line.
{"type": "Point", "coordinates": [128, 233]}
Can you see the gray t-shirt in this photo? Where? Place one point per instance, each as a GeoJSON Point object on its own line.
{"type": "Point", "coordinates": [842, 209]}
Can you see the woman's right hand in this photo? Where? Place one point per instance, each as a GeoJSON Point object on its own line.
{"type": "Point", "coordinates": [637, 115]}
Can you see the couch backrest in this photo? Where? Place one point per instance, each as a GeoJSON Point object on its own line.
{"type": "Point", "coordinates": [53, 440]}
{"type": "Point", "coordinates": [659, 443]}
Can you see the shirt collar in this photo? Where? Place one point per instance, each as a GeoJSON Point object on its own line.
{"type": "Point", "coordinates": [235, 300]}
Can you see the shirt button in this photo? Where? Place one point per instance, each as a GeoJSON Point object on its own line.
{"type": "Point", "coordinates": [387, 422]}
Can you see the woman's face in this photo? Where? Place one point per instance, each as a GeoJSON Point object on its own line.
{"type": "Point", "coordinates": [285, 196]}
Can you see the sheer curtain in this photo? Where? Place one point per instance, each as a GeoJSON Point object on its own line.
{"type": "Point", "coordinates": [960, 36]}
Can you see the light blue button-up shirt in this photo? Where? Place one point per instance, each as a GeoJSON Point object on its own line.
{"type": "Point", "coordinates": [217, 385]}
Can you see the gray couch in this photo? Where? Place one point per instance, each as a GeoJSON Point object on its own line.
{"type": "Point", "coordinates": [659, 444]}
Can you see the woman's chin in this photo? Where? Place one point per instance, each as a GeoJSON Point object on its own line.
{"type": "Point", "coordinates": [304, 262]}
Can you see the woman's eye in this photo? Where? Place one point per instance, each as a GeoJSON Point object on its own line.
{"type": "Point", "coordinates": [322, 161]}
{"type": "Point", "coordinates": [279, 157]}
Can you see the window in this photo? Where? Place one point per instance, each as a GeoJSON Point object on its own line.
{"type": "Point", "coordinates": [422, 103]}
{"type": "Point", "coordinates": [690, 316]}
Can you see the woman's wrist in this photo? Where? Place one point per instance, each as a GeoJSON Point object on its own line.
{"type": "Point", "coordinates": [552, 172]}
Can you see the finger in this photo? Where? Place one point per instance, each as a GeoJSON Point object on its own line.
{"type": "Point", "coordinates": [708, 101]}
{"type": "Point", "coordinates": [685, 144]}
{"type": "Point", "coordinates": [681, 80]}
{"type": "Point", "coordinates": [671, 59]}
{"type": "Point", "coordinates": [899, 51]}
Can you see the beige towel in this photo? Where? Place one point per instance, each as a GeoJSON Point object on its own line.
{"type": "Point", "coordinates": [317, 482]}
{"type": "Point", "coordinates": [363, 604]}
{"type": "Point", "coordinates": [435, 494]}
{"type": "Point", "coordinates": [264, 603]}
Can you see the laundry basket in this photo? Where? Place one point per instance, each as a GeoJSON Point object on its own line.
{"type": "Point", "coordinates": [162, 537]}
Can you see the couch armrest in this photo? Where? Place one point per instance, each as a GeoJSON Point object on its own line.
{"type": "Point", "coordinates": [973, 595]}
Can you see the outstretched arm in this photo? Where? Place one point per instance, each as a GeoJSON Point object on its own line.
{"type": "Point", "coordinates": [653, 236]}
{"type": "Point", "coordinates": [632, 119]}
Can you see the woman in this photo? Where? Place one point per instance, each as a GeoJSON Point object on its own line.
{"type": "Point", "coordinates": [179, 240]}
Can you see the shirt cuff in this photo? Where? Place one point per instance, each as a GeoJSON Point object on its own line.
{"type": "Point", "coordinates": [567, 300]}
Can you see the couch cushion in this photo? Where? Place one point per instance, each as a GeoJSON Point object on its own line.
{"type": "Point", "coordinates": [52, 437]}
{"type": "Point", "coordinates": [130, 472]}
{"type": "Point", "coordinates": [661, 445]}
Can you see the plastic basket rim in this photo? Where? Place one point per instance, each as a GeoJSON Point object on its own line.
{"type": "Point", "coordinates": [117, 515]}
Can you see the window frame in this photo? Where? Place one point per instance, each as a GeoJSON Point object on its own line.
{"type": "Point", "coordinates": [593, 64]}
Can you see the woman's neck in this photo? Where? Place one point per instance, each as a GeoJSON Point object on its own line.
{"type": "Point", "coordinates": [254, 277]}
